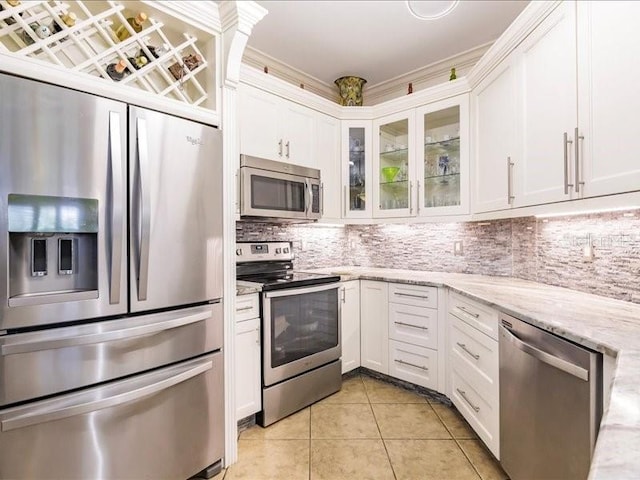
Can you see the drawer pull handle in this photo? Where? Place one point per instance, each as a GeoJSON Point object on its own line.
{"type": "Point", "coordinates": [412, 326]}
{"type": "Point", "coordinates": [474, 315]}
{"type": "Point", "coordinates": [244, 309]}
{"type": "Point", "coordinates": [464, 347]}
{"type": "Point", "coordinates": [397, 360]}
{"type": "Point", "coordinates": [400, 294]}
{"type": "Point", "coordinates": [463, 394]}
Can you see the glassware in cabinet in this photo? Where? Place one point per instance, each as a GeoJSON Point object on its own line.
{"type": "Point", "coordinates": [394, 182]}
{"type": "Point", "coordinates": [442, 170]}
{"type": "Point", "coordinates": [356, 168]}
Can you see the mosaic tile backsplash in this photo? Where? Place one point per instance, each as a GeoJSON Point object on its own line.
{"type": "Point", "coordinates": [549, 251]}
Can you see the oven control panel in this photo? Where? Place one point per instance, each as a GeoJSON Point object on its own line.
{"type": "Point", "coordinates": [263, 251]}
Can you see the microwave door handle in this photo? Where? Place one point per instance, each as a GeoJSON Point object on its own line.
{"type": "Point", "coordinates": [309, 197]}
{"type": "Point", "coordinates": [115, 157]}
{"type": "Point", "coordinates": [145, 200]}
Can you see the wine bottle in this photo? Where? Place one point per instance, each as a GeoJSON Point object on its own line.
{"type": "Point", "coordinates": [117, 71]}
{"type": "Point", "coordinates": [12, 3]}
{"type": "Point", "coordinates": [156, 52]}
{"type": "Point", "coordinates": [139, 61]}
{"type": "Point", "coordinates": [68, 19]}
{"type": "Point", "coordinates": [136, 23]}
{"type": "Point", "coordinates": [41, 31]}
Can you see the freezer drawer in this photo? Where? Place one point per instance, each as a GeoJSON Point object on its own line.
{"type": "Point", "coordinates": [164, 424]}
{"type": "Point", "coordinates": [42, 363]}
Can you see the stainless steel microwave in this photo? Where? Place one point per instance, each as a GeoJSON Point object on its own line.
{"type": "Point", "coordinates": [279, 190]}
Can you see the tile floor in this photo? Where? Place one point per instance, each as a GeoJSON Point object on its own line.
{"type": "Point", "coordinates": [368, 430]}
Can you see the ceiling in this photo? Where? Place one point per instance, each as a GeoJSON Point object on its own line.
{"type": "Point", "coordinates": [375, 40]}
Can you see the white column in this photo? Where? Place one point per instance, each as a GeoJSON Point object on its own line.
{"type": "Point", "coordinates": [237, 18]}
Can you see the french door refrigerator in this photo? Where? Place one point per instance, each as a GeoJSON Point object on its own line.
{"type": "Point", "coordinates": [110, 288]}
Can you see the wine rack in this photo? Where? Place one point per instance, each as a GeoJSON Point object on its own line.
{"type": "Point", "coordinates": [91, 45]}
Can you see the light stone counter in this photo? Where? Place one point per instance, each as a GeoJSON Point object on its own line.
{"type": "Point", "coordinates": [603, 324]}
{"type": "Point", "coordinates": [247, 288]}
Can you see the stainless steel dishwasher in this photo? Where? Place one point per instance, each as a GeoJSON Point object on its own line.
{"type": "Point", "coordinates": [550, 403]}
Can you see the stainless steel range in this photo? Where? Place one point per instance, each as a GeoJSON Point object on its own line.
{"type": "Point", "coordinates": [301, 315]}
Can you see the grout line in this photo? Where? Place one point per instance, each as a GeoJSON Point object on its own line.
{"type": "Point", "coordinates": [468, 457]}
{"type": "Point", "coordinates": [453, 437]}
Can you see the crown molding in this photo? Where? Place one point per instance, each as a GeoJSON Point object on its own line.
{"type": "Point", "coordinates": [272, 84]}
{"type": "Point", "coordinates": [425, 77]}
{"type": "Point", "coordinates": [269, 83]}
{"type": "Point", "coordinates": [238, 20]}
{"type": "Point", "coordinates": [204, 15]}
{"type": "Point", "coordinates": [519, 29]}
{"type": "Point", "coordinates": [259, 60]}
{"type": "Point", "coordinates": [243, 15]}
{"type": "Point", "coordinates": [422, 78]}
{"type": "Point", "coordinates": [423, 97]}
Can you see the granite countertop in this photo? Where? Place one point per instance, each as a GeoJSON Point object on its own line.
{"type": "Point", "coordinates": [247, 288]}
{"type": "Point", "coordinates": [603, 324]}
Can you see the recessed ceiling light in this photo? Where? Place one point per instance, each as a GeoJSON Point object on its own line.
{"type": "Point", "coordinates": [431, 9]}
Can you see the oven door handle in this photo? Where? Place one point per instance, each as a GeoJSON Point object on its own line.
{"type": "Point", "coordinates": [287, 292]}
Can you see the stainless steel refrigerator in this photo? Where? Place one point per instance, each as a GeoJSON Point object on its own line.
{"type": "Point", "coordinates": [110, 288]}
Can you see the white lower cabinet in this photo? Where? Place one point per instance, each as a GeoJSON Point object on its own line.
{"type": "Point", "coordinates": [482, 414]}
{"type": "Point", "coordinates": [413, 364]}
{"type": "Point", "coordinates": [350, 325]}
{"type": "Point", "coordinates": [374, 325]}
{"type": "Point", "coordinates": [247, 357]}
{"type": "Point", "coordinates": [413, 334]}
{"type": "Point", "coordinates": [474, 367]}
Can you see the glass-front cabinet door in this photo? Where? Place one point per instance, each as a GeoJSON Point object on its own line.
{"type": "Point", "coordinates": [443, 158]}
{"type": "Point", "coordinates": [393, 165]}
{"type": "Point", "coordinates": [356, 168]}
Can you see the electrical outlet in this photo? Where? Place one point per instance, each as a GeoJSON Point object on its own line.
{"type": "Point", "coordinates": [303, 245]}
{"type": "Point", "coordinates": [352, 244]}
{"type": "Point", "coordinates": [457, 248]}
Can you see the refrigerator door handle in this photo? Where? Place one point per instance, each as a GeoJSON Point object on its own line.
{"type": "Point", "coordinates": [145, 201]}
{"type": "Point", "coordinates": [66, 411]}
{"type": "Point", "coordinates": [58, 341]}
{"type": "Point", "coordinates": [115, 157]}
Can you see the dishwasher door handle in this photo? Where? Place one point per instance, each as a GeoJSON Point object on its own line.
{"type": "Point", "coordinates": [568, 367]}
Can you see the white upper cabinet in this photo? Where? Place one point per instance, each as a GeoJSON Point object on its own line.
{"type": "Point", "coordinates": [609, 98]}
{"type": "Point", "coordinates": [327, 154]}
{"type": "Point", "coordinates": [495, 138]}
{"type": "Point", "coordinates": [297, 125]}
{"type": "Point", "coordinates": [356, 171]}
{"type": "Point", "coordinates": [394, 165]}
{"type": "Point", "coordinates": [274, 128]}
{"type": "Point", "coordinates": [442, 163]}
{"type": "Point", "coordinates": [549, 109]}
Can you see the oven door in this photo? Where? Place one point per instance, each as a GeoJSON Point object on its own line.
{"type": "Point", "coordinates": [272, 194]}
{"type": "Point", "coordinates": [301, 330]}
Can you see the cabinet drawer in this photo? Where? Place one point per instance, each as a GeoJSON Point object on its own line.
{"type": "Point", "coordinates": [475, 357]}
{"type": "Point", "coordinates": [414, 364]}
{"type": "Point", "coordinates": [482, 414]}
{"type": "Point", "coordinates": [247, 307]}
{"type": "Point", "coordinates": [417, 295]}
{"type": "Point", "coordinates": [475, 314]}
{"type": "Point", "coordinates": [415, 325]}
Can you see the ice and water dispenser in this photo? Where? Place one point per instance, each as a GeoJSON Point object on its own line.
{"type": "Point", "coordinates": [53, 249]}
